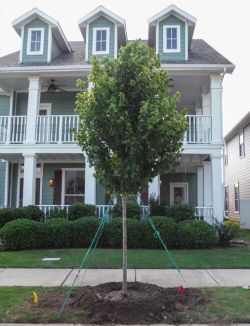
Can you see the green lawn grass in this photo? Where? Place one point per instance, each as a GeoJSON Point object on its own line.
{"type": "Point", "coordinates": [112, 258]}
{"type": "Point", "coordinates": [226, 305]}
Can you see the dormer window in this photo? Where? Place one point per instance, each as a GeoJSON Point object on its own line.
{"type": "Point", "coordinates": [101, 40]}
{"type": "Point", "coordinates": [35, 41]}
{"type": "Point", "coordinates": [171, 39]}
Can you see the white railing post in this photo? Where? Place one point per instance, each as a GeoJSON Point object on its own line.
{"type": "Point", "coordinates": [8, 130]}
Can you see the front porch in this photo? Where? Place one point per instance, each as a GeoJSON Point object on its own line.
{"type": "Point", "coordinates": [62, 180]}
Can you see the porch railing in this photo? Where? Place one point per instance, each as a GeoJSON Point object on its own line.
{"type": "Point", "coordinates": [58, 129]}
{"type": "Point", "coordinates": [199, 129]}
{"type": "Point", "coordinates": [204, 213]}
{"type": "Point", "coordinates": [46, 209]}
{"type": "Point", "coordinates": [13, 129]}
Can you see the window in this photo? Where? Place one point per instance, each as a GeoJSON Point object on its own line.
{"type": "Point", "coordinates": [236, 198]}
{"type": "Point", "coordinates": [35, 41]}
{"type": "Point", "coordinates": [226, 203]}
{"type": "Point", "coordinates": [241, 144]}
{"type": "Point", "coordinates": [73, 186]}
{"type": "Point", "coordinates": [101, 40]}
{"type": "Point", "coordinates": [171, 38]}
{"type": "Point", "coordinates": [178, 193]}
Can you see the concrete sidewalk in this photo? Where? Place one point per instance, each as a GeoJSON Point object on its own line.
{"type": "Point", "coordinates": [162, 277]}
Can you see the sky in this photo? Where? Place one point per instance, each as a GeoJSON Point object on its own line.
{"type": "Point", "coordinates": [224, 24]}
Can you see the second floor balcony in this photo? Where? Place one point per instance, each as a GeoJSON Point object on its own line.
{"type": "Point", "coordinates": [59, 129]}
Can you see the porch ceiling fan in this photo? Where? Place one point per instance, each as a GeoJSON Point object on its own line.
{"type": "Point", "coordinates": [52, 87]}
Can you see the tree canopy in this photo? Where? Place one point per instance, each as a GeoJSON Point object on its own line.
{"type": "Point", "coordinates": [130, 128]}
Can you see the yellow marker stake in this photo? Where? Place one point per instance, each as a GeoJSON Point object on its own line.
{"type": "Point", "coordinates": [35, 297]}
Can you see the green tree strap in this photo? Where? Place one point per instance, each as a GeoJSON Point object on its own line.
{"type": "Point", "coordinates": [86, 257]}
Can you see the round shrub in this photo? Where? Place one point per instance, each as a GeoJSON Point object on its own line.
{"type": "Point", "coordinates": [31, 212]}
{"type": "Point", "coordinates": [113, 233]}
{"type": "Point", "coordinates": [57, 213]}
{"type": "Point", "coordinates": [133, 210]}
{"type": "Point", "coordinates": [83, 231]}
{"type": "Point", "coordinates": [6, 215]}
{"type": "Point", "coordinates": [227, 231]}
{"type": "Point", "coordinates": [79, 210]}
{"type": "Point", "coordinates": [134, 233]}
{"type": "Point", "coordinates": [196, 235]}
{"type": "Point", "coordinates": [56, 233]}
{"type": "Point", "coordinates": [181, 212]}
{"type": "Point", "coordinates": [167, 228]}
{"type": "Point", "coordinates": [21, 234]}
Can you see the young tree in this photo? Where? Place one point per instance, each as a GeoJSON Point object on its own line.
{"type": "Point", "coordinates": [129, 126]}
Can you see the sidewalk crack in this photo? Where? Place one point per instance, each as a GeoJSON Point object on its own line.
{"type": "Point", "coordinates": [213, 278]}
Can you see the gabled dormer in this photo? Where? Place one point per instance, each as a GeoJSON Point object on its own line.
{"type": "Point", "coordinates": [171, 32]}
{"type": "Point", "coordinates": [42, 38]}
{"type": "Point", "coordinates": [103, 32]}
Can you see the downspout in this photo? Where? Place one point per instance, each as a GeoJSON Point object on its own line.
{"type": "Point", "coordinates": [224, 146]}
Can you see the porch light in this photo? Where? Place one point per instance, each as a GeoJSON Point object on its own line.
{"type": "Point", "coordinates": [51, 182]}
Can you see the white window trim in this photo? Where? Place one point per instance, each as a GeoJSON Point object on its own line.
{"type": "Point", "coordinates": [95, 29]}
{"type": "Point", "coordinates": [63, 182]}
{"type": "Point", "coordinates": [243, 135]}
{"type": "Point", "coordinates": [165, 49]}
{"type": "Point", "coordinates": [30, 30]}
{"type": "Point", "coordinates": [178, 184]}
{"type": "Point", "coordinates": [238, 185]}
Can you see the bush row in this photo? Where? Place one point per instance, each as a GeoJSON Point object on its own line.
{"type": "Point", "coordinates": [60, 233]}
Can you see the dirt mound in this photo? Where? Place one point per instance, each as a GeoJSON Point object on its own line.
{"type": "Point", "coordinates": [145, 303]}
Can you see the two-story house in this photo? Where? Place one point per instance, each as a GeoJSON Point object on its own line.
{"type": "Point", "coordinates": [41, 163]}
{"type": "Point", "coordinates": [237, 172]}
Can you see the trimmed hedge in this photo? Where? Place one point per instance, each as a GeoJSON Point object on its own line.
{"type": "Point", "coordinates": [133, 210]}
{"type": "Point", "coordinates": [181, 212]}
{"type": "Point", "coordinates": [196, 235]}
{"type": "Point", "coordinates": [60, 233]}
{"type": "Point", "coordinates": [79, 210]}
{"type": "Point", "coordinates": [167, 228]}
{"type": "Point", "coordinates": [57, 213]}
{"type": "Point", "coordinates": [10, 214]}
{"type": "Point", "coordinates": [22, 234]}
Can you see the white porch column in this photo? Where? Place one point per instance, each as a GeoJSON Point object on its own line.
{"type": "Point", "coordinates": [216, 108]}
{"type": "Point", "coordinates": [207, 177]}
{"type": "Point", "coordinates": [217, 186]}
{"type": "Point", "coordinates": [6, 185]}
{"type": "Point", "coordinates": [154, 187]}
{"type": "Point", "coordinates": [206, 102]}
{"type": "Point", "coordinates": [90, 184]}
{"type": "Point", "coordinates": [200, 186]}
{"type": "Point", "coordinates": [29, 179]}
{"type": "Point", "coordinates": [33, 107]}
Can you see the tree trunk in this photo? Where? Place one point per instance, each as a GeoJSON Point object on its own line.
{"type": "Point", "coordinates": [124, 243]}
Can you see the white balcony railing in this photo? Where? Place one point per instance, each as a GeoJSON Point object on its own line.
{"type": "Point", "coordinates": [199, 129]}
{"type": "Point", "coordinates": [204, 213]}
{"type": "Point", "coordinates": [13, 129]}
{"type": "Point", "coordinates": [58, 129]}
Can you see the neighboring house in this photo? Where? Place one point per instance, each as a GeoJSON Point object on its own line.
{"type": "Point", "coordinates": [237, 168]}
{"type": "Point", "coordinates": [42, 164]}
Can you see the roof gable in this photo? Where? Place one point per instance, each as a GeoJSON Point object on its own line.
{"type": "Point", "coordinates": [106, 13]}
{"type": "Point", "coordinates": [36, 13]}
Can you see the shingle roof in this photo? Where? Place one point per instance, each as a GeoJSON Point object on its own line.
{"type": "Point", "coordinates": [200, 53]}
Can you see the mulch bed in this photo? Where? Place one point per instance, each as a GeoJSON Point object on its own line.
{"type": "Point", "coordinates": [144, 304]}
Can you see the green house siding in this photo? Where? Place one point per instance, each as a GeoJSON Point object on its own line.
{"type": "Point", "coordinates": [48, 173]}
{"type": "Point", "coordinates": [62, 103]}
{"type": "Point", "coordinates": [100, 194]}
{"type": "Point", "coordinates": [36, 23]}
{"type": "Point", "coordinates": [13, 176]}
{"type": "Point", "coordinates": [105, 23]}
{"type": "Point", "coordinates": [55, 50]}
{"type": "Point", "coordinates": [2, 182]}
{"type": "Point", "coordinates": [21, 103]}
{"type": "Point", "coordinates": [4, 105]}
{"type": "Point", "coordinates": [172, 20]}
{"type": "Point", "coordinates": [190, 178]}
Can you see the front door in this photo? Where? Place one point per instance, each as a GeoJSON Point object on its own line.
{"type": "Point", "coordinates": [178, 193]}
